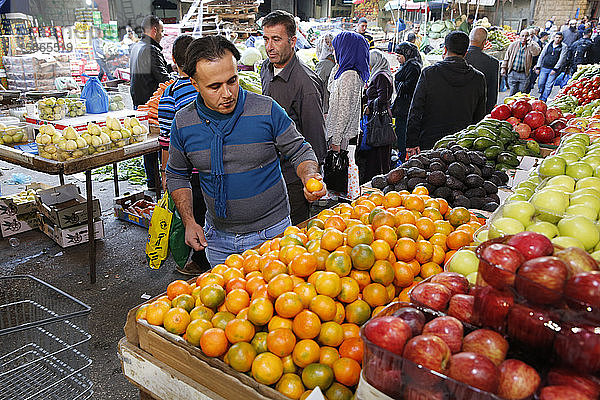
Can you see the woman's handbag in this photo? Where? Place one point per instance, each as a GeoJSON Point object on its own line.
{"type": "Point", "coordinates": [380, 130]}
{"type": "Point", "coordinates": [336, 170]}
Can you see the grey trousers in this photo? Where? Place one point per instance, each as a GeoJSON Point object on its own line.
{"type": "Point", "coordinates": [517, 81]}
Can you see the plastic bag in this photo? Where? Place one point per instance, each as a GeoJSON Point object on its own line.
{"type": "Point", "coordinates": [157, 246]}
{"type": "Point", "coordinates": [336, 170]}
{"type": "Point", "coordinates": [96, 98]}
{"type": "Point", "coordinates": [179, 250]}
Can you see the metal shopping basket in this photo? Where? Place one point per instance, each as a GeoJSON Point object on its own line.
{"type": "Point", "coordinates": [43, 342]}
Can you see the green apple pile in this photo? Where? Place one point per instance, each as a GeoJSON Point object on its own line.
{"type": "Point", "coordinates": [75, 107]}
{"type": "Point", "coordinates": [115, 103]}
{"type": "Point", "coordinates": [139, 132]}
{"type": "Point", "coordinates": [98, 140]}
{"type": "Point", "coordinates": [565, 205]}
{"type": "Point", "coordinates": [51, 109]}
{"type": "Point", "coordinates": [119, 134]}
{"type": "Point", "coordinates": [47, 141]}
{"type": "Point", "coordinates": [12, 134]}
{"type": "Point", "coordinates": [464, 262]}
{"type": "Point", "coordinates": [23, 197]}
{"type": "Point", "coordinates": [64, 146]}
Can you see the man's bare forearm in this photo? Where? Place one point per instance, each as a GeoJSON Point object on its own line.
{"type": "Point", "coordinates": [184, 203]}
{"type": "Point", "coordinates": [306, 169]}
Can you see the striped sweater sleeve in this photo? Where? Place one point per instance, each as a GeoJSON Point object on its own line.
{"type": "Point", "coordinates": [166, 114]}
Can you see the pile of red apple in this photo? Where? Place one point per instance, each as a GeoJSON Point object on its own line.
{"type": "Point", "coordinates": [412, 337]}
{"type": "Point", "coordinates": [543, 297]}
{"type": "Point", "coordinates": [532, 119]}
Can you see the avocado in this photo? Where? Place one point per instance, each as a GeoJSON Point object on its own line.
{"type": "Point", "coordinates": [379, 182]}
{"type": "Point", "coordinates": [474, 181]}
{"type": "Point", "coordinates": [457, 170]}
{"type": "Point", "coordinates": [456, 148]}
{"type": "Point", "coordinates": [433, 154]}
{"type": "Point", "coordinates": [388, 189]}
{"type": "Point", "coordinates": [465, 142]}
{"type": "Point", "coordinates": [456, 193]}
{"type": "Point", "coordinates": [416, 172]}
{"type": "Point", "coordinates": [502, 175]}
{"type": "Point", "coordinates": [461, 201]}
{"type": "Point", "coordinates": [447, 156]}
{"type": "Point", "coordinates": [489, 187]}
{"type": "Point", "coordinates": [492, 152]}
{"type": "Point", "coordinates": [436, 178]}
{"type": "Point", "coordinates": [473, 169]}
{"type": "Point", "coordinates": [413, 162]}
{"type": "Point", "coordinates": [486, 171]}
{"type": "Point", "coordinates": [424, 160]}
{"type": "Point", "coordinates": [493, 197]}
{"type": "Point", "coordinates": [462, 156]}
{"type": "Point", "coordinates": [444, 192]}
{"type": "Point", "coordinates": [491, 206]}
{"type": "Point", "coordinates": [453, 183]}
{"type": "Point", "coordinates": [477, 159]}
{"type": "Point", "coordinates": [484, 132]}
{"type": "Point", "coordinates": [475, 192]}
{"type": "Point", "coordinates": [442, 143]}
{"type": "Point", "coordinates": [401, 185]}
{"type": "Point", "coordinates": [533, 146]}
{"type": "Point", "coordinates": [413, 182]}
{"type": "Point", "coordinates": [518, 149]}
{"type": "Point", "coordinates": [395, 175]}
{"type": "Point", "coordinates": [477, 202]}
{"type": "Point", "coordinates": [430, 188]}
{"type": "Point", "coordinates": [508, 158]}
{"type": "Point", "coordinates": [437, 166]}
{"type": "Point", "coordinates": [495, 180]}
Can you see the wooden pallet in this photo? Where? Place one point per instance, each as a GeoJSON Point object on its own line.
{"type": "Point", "coordinates": [231, 9]}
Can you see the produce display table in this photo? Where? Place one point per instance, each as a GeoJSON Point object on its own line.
{"type": "Point", "coordinates": [80, 123]}
{"type": "Point", "coordinates": [84, 164]}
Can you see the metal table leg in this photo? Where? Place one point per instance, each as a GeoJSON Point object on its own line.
{"type": "Point", "coordinates": [91, 230]}
{"type": "Point", "coordinates": [116, 179]}
{"type": "Point", "coordinates": [61, 178]}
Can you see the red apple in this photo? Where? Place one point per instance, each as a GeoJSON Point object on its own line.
{"type": "Point", "coordinates": [475, 370]}
{"type": "Point", "coordinates": [413, 317]}
{"type": "Point", "coordinates": [568, 116]}
{"type": "Point", "coordinates": [461, 307]}
{"type": "Point", "coordinates": [513, 121]}
{"type": "Point", "coordinates": [577, 260]}
{"type": "Point", "coordinates": [556, 141]}
{"type": "Point", "coordinates": [534, 119]}
{"type": "Point", "coordinates": [544, 134]}
{"type": "Point", "coordinates": [501, 112]}
{"type": "Point", "coordinates": [498, 263]}
{"type": "Point", "coordinates": [587, 384]}
{"type": "Point", "coordinates": [433, 295]}
{"type": "Point", "coordinates": [523, 130]}
{"type": "Point", "coordinates": [531, 244]}
{"type": "Point", "coordinates": [541, 280]}
{"type": "Point", "coordinates": [584, 287]}
{"type": "Point", "coordinates": [520, 108]}
{"type": "Point", "coordinates": [579, 347]}
{"type": "Point", "coordinates": [517, 380]}
{"type": "Point", "coordinates": [492, 307]}
{"type": "Point", "coordinates": [538, 105]}
{"type": "Point", "coordinates": [562, 393]}
{"type": "Point", "coordinates": [454, 281]}
{"type": "Point", "coordinates": [429, 351]}
{"type": "Point", "coordinates": [558, 125]}
{"type": "Point", "coordinates": [391, 333]}
{"type": "Point", "coordinates": [449, 329]}
{"type": "Point", "coordinates": [553, 113]}
{"type": "Point", "coordinates": [384, 373]}
{"type": "Point", "coordinates": [532, 327]}
{"type": "Point", "coordinates": [487, 343]}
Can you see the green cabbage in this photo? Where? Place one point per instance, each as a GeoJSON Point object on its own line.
{"type": "Point", "coordinates": [250, 56]}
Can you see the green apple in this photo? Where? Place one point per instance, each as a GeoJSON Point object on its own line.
{"type": "Point", "coordinates": [528, 184]}
{"type": "Point", "coordinates": [579, 170]}
{"type": "Point", "coordinates": [581, 228]}
{"type": "Point", "coordinates": [576, 148]}
{"type": "Point", "coordinates": [588, 200]}
{"type": "Point", "coordinates": [583, 210]}
{"type": "Point", "coordinates": [517, 197]}
{"type": "Point", "coordinates": [522, 211]}
{"type": "Point", "coordinates": [552, 166]}
{"type": "Point", "coordinates": [567, 241]}
{"type": "Point", "coordinates": [472, 278]}
{"type": "Point", "coordinates": [597, 171]}
{"type": "Point", "coordinates": [545, 228]}
{"type": "Point", "coordinates": [588, 182]}
{"type": "Point", "coordinates": [569, 157]}
{"type": "Point", "coordinates": [550, 203]}
{"type": "Point", "coordinates": [464, 262]}
{"type": "Point", "coordinates": [524, 191]}
{"type": "Point", "coordinates": [586, 190]}
{"type": "Point", "coordinates": [482, 236]}
{"type": "Point", "coordinates": [581, 137]}
{"type": "Point", "coordinates": [592, 159]}
{"type": "Point", "coordinates": [564, 182]}
{"type": "Point", "coordinates": [505, 226]}
{"type": "Point", "coordinates": [595, 255]}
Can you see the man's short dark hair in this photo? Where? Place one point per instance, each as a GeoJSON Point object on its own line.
{"type": "Point", "coordinates": [362, 20]}
{"type": "Point", "coordinates": [209, 48]}
{"type": "Point", "coordinates": [150, 22]}
{"type": "Point", "coordinates": [471, 16]}
{"type": "Point", "coordinates": [544, 34]}
{"type": "Point", "coordinates": [280, 17]}
{"type": "Point", "coordinates": [411, 37]}
{"type": "Point", "coordinates": [457, 42]}
{"type": "Point", "coordinates": [558, 34]}
{"type": "Point", "coordinates": [180, 46]}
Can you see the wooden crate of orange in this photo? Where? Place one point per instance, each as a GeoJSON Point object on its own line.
{"type": "Point", "coordinates": [289, 313]}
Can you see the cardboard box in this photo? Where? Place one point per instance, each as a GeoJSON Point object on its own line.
{"type": "Point", "coordinates": [12, 224]}
{"type": "Point", "coordinates": [67, 237]}
{"type": "Point", "coordinates": [65, 207]}
{"type": "Point", "coordinates": [126, 201]}
{"type": "Point", "coordinates": [211, 373]}
{"type": "Point", "coordinates": [8, 207]}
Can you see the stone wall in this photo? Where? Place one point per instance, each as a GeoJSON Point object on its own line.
{"type": "Point", "coordinates": [563, 10]}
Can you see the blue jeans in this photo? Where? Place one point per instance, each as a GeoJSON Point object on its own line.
{"type": "Point", "coordinates": [546, 82]}
{"type": "Point", "coordinates": [221, 244]}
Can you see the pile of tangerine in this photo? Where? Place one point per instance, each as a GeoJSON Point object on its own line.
{"type": "Point", "coordinates": [289, 313]}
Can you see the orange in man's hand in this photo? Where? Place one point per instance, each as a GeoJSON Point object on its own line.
{"type": "Point", "coordinates": [314, 185]}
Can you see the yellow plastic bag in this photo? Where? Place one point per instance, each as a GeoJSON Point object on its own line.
{"type": "Point", "coordinates": [158, 233]}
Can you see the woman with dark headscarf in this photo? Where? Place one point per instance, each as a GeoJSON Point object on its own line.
{"type": "Point", "coordinates": [405, 83]}
{"type": "Point", "coordinates": [346, 84]}
{"type": "Point", "coordinates": [378, 95]}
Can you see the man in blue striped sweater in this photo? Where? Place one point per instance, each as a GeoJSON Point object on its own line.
{"type": "Point", "coordinates": [177, 95]}
{"type": "Point", "coordinates": [233, 138]}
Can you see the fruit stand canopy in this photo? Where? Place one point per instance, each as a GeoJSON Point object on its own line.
{"type": "Point", "coordinates": [415, 5]}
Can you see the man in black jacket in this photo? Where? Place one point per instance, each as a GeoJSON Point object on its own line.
{"type": "Point", "coordinates": [488, 65]}
{"type": "Point", "coordinates": [148, 69]}
{"type": "Point", "coordinates": [581, 50]}
{"type": "Point", "coordinates": [450, 95]}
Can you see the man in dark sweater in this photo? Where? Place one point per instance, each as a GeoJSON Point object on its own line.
{"type": "Point", "coordinates": [297, 89]}
{"type": "Point", "coordinates": [450, 95]}
{"type": "Point", "coordinates": [148, 69]}
{"type": "Point", "coordinates": [488, 65]}
{"type": "Point", "coordinates": [581, 50]}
